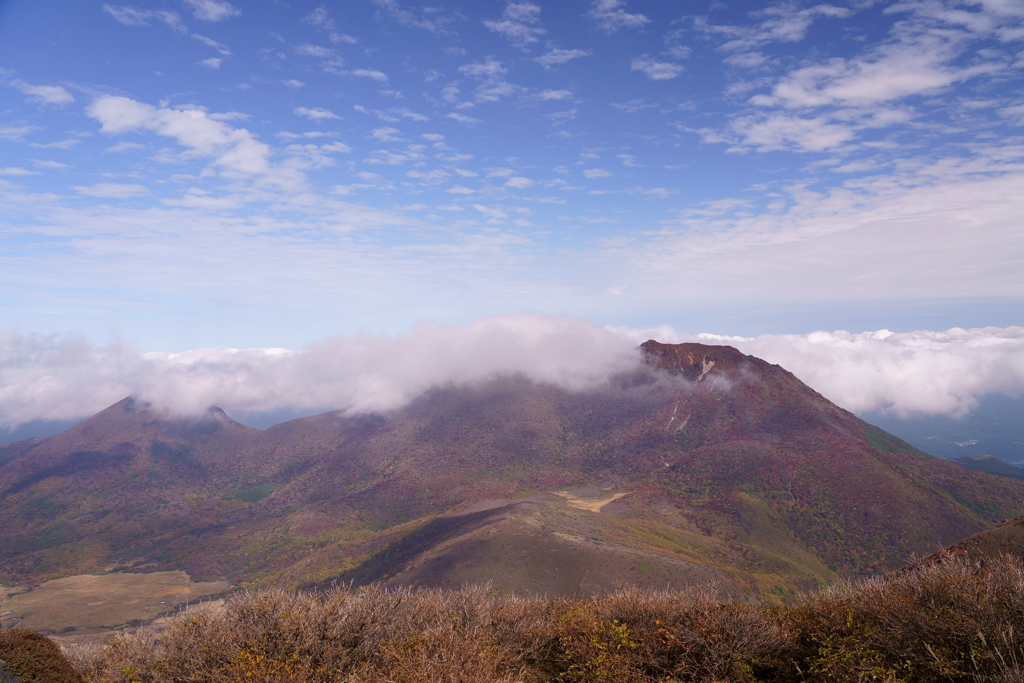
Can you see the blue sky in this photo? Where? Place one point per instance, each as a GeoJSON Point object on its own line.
{"type": "Point", "coordinates": [193, 173]}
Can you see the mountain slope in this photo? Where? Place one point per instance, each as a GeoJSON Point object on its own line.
{"type": "Point", "coordinates": [703, 463]}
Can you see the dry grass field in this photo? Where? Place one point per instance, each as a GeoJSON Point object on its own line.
{"type": "Point", "coordinates": [96, 603]}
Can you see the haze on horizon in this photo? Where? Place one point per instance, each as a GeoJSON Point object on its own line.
{"type": "Point", "coordinates": [197, 176]}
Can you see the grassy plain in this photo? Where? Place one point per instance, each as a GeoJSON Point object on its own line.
{"type": "Point", "coordinates": [96, 603]}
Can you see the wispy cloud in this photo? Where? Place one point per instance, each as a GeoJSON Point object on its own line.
{"type": "Point", "coordinates": [212, 10]}
{"type": "Point", "coordinates": [310, 50]}
{"type": "Point", "coordinates": [655, 70]}
{"type": "Point", "coordinates": [610, 16]}
{"type": "Point", "coordinates": [558, 56]}
{"type": "Point", "coordinates": [387, 134]}
{"type": "Point", "coordinates": [428, 18]}
{"type": "Point", "coordinates": [316, 113]}
{"type": "Point", "coordinates": [462, 118]}
{"type": "Point", "coordinates": [320, 19]}
{"type": "Point", "coordinates": [518, 24]}
{"type": "Point", "coordinates": [44, 94]}
{"type": "Point", "coordinates": [219, 47]}
{"type": "Point", "coordinates": [783, 22]}
{"type": "Point", "coordinates": [133, 16]}
{"type": "Point", "coordinates": [112, 190]}
{"type": "Point", "coordinates": [372, 74]}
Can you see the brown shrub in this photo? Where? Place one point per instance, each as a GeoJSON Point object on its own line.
{"type": "Point", "coordinates": [35, 659]}
{"type": "Point", "coordinates": [951, 621]}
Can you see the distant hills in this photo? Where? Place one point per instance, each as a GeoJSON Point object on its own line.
{"type": "Point", "coordinates": [994, 427]}
{"type": "Point", "coordinates": [701, 464]}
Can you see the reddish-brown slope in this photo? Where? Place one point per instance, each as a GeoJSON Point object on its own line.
{"type": "Point", "coordinates": [719, 446]}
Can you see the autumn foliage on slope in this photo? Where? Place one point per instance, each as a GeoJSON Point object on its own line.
{"type": "Point", "coordinates": [944, 621]}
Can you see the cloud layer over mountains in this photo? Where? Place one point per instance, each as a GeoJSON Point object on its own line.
{"type": "Point", "coordinates": [66, 377]}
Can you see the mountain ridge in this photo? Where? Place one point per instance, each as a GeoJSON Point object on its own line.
{"type": "Point", "coordinates": [716, 460]}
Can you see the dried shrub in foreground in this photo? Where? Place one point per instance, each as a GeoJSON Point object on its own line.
{"type": "Point", "coordinates": [951, 621]}
{"type": "Point", "coordinates": [33, 658]}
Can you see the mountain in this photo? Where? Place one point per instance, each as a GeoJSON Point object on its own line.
{"type": "Point", "coordinates": [991, 465]}
{"type": "Point", "coordinates": [1005, 538]}
{"type": "Point", "coordinates": [701, 464]}
{"type": "Point", "coordinates": [994, 427]}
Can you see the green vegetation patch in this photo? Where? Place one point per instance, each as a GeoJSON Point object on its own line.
{"type": "Point", "coordinates": [256, 494]}
{"type": "Point", "coordinates": [887, 443]}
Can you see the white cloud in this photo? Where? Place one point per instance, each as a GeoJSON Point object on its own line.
{"type": "Point", "coordinates": [322, 21]}
{"type": "Point", "coordinates": [432, 177]}
{"type": "Point", "coordinates": [386, 134]}
{"type": "Point", "coordinates": [517, 24]}
{"type": "Point", "coordinates": [597, 173]}
{"type": "Point", "coordinates": [369, 73]}
{"type": "Point", "coordinates": [45, 94]}
{"type": "Point", "coordinates": [519, 183]}
{"type": "Point", "coordinates": [890, 72]}
{"type": "Point", "coordinates": [489, 68]}
{"type": "Point", "coordinates": [746, 60]}
{"type": "Point", "coordinates": [633, 106]}
{"type": "Point", "coordinates": [50, 164]}
{"type": "Point", "coordinates": [133, 16]}
{"type": "Point", "coordinates": [212, 10]}
{"type": "Point", "coordinates": [64, 377]}
{"type": "Point", "coordinates": [561, 94]}
{"type": "Point", "coordinates": [430, 18]}
{"type": "Point", "coordinates": [212, 62]}
{"type": "Point", "coordinates": [60, 377]}
{"type": "Point", "coordinates": [311, 134]}
{"type": "Point", "coordinates": [655, 70]}
{"type": "Point", "coordinates": [16, 132]}
{"type": "Point", "coordinates": [921, 372]}
{"type": "Point", "coordinates": [493, 86]}
{"type": "Point", "coordinates": [310, 50]}
{"type": "Point", "coordinates": [15, 171]}
{"type": "Point", "coordinates": [783, 22]}
{"type": "Point", "coordinates": [561, 117]}
{"type": "Point", "coordinates": [559, 56]}
{"type": "Point", "coordinates": [393, 114]}
{"type": "Point", "coordinates": [294, 84]}
{"type": "Point", "coordinates": [610, 16]}
{"type": "Point", "coordinates": [59, 144]}
{"type": "Point", "coordinates": [112, 190]}
{"type": "Point", "coordinates": [462, 118]}
{"type": "Point", "coordinates": [209, 42]}
{"type": "Point", "coordinates": [460, 189]}
{"type": "Point", "coordinates": [316, 114]}
{"type": "Point", "coordinates": [233, 149]}
{"type": "Point", "coordinates": [767, 133]}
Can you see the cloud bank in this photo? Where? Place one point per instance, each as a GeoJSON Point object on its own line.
{"type": "Point", "coordinates": [902, 374]}
{"type": "Point", "coordinates": [65, 377]}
